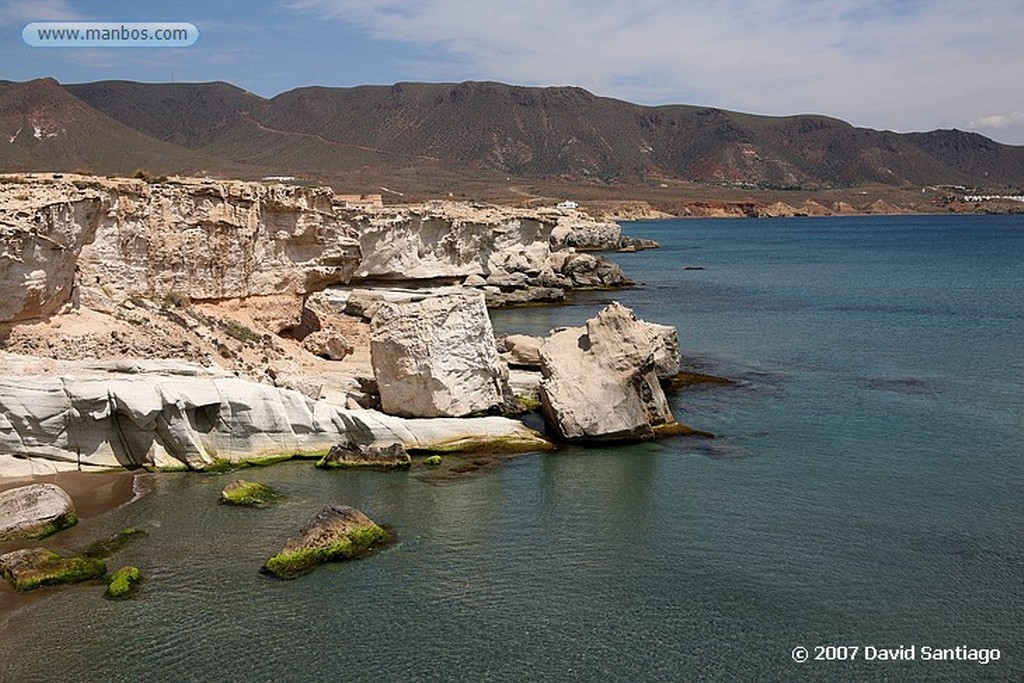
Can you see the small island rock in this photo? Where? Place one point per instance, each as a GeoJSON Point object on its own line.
{"type": "Point", "coordinates": [337, 532]}
{"type": "Point", "coordinates": [600, 381]}
{"type": "Point", "coordinates": [250, 493]}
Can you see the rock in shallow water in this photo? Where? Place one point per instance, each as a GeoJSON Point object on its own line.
{"type": "Point", "coordinates": [392, 457]}
{"type": "Point", "coordinates": [337, 532]}
{"type": "Point", "coordinates": [35, 511]}
{"type": "Point", "coordinates": [31, 568]}
{"type": "Point", "coordinates": [601, 380]}
{"type": "Point", "coordinates": [247, 493]}
{"type": "Point", "coordinates": [123, 582]}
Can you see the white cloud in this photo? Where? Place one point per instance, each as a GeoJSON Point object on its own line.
{"type": "Point", "coordinates": [1009, 127]}
{"type": "Point", "coordinates": [891, 64]}
{"type": "Point", "coordinates": [22, 12]}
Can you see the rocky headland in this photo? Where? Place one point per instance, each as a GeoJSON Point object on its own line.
{"type": "Point", "coordinates": [195, 324]}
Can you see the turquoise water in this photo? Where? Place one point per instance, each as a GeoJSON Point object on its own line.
{"type": "Point", "coordinates": [864, 490]}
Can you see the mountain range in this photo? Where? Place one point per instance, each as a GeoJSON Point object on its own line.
{"type": "Point", "coordinates": [446, 134]}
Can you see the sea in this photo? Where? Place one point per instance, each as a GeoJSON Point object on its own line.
{"type": "Point", "coordinates": [859, 514]}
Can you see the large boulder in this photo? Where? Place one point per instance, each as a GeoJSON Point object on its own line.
{"type": "Point", "coordinates": [600, 381]}
{"type": "Point", "coordinates": [35, 511]}
{"type": "Point", "coordinates": [337, 532]}
{"type": "Point", "coordinates": [437, 357]}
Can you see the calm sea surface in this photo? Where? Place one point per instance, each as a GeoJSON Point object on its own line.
{"type": "Point", "coordinates": [865, 489]}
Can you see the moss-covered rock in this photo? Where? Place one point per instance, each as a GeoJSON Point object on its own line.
{"type": "Point", "coordinates": [249, 493]}
{"type": "Point", "coordinates": [338, 532]}
{"type": "Point", "coordinates": [123, 582]}
{"type": "Point", "coordinates": [516, 443]}
{"type": "Point", "coordinates": [391, 457]}
{"type": "Point", "coordinates": [432, 461]}
{"type": "Point", "coordinates": [31, 568]}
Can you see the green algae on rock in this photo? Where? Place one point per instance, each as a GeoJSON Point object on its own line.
{"type": "Point", "coordinates": [123, 582]}
{"type": "Point", "coordinates": [248, 493]}
{"type": "Point", "coordinates": [391, 457]}
{"type": "Point", "coordinates": [30, 568]}
{"type": "Point", "coordinates": [337, 532]}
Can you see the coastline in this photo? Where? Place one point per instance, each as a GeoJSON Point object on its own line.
{"type": "Point", "coordinates": [94, 493]}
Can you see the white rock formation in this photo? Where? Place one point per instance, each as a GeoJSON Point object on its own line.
{"type": "Point", "coordinates": [510, 248]}
{"type": "Point", "coordinates": [578, 230]}
{"type": "Point", "coordinates": [665, 342]}
{"type": "Point", "coordinates": [521, 350]}
{"type": "Point", "coordinates": [437, 357]}
{"type": "Point", "coordinates": [34, 509]}
{"type": "Point", "coordinates": [600, 380]}
{"type": "Point", "coordinates": [100, 242]}
{"type": "Point", "coordinates": [166, 414]}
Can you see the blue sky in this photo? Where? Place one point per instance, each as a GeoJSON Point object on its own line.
{"type": "Point", "coordinates": [902, 65]}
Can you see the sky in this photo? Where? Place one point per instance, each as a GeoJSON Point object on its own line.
{"type": "Point", "coordinates": [903, 65]}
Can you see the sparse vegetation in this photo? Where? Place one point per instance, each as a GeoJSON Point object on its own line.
{"type": "Point", "coordinates": [148, 177]}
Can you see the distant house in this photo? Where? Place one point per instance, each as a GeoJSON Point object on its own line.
{"type": "Point", "coordinates": [567, 204]}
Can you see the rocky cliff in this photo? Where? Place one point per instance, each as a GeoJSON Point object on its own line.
{"type": "Point", "coordinates": [486, 246]}
{"type": "Point", "coordinates": [218, 280]}
{"type": "Point", "coordinates": [98, 242]}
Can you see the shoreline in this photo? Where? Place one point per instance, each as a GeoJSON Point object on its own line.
{"type": "Point", "coordinates": [94, 493]}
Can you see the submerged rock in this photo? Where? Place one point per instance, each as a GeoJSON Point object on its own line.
{"type": "Point", "coordinates": [31, 568]}
{"type": "Point", "coordinates": [338, 532]}
{"type": "Point", "coordinates": [35, 511]}
{"type": "Point", "coordinates": [437, 357]}
{"type": "Point", "coordinates": [600, 381]}
{"type": "Point", "coordinates": [391, 457]}
{"type": "Point", "coordinates": [123, 582]}
{"type": "Point", "coordinates": [247, 493]}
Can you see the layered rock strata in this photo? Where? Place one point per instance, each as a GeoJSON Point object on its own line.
{"type": "Point", "coordinates": [100, 242]}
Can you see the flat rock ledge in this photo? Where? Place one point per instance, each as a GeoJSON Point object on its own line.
{"type": "Point", "coordinates": [337, 532]}
{"type": "Point", "coordinates": [35, 511]}
{"type": "Point", "coordinates": [393, 457]}
{"type": "Point", "coordinates": [30, 568]}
